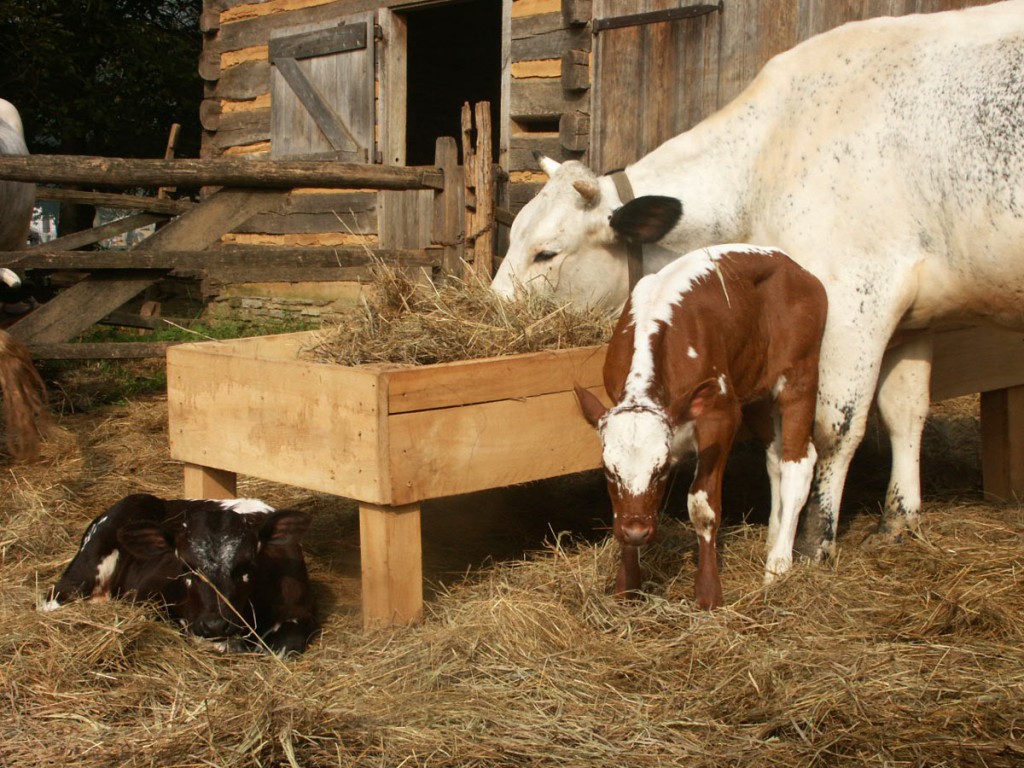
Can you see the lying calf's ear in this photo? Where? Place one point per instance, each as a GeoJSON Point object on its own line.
{"type": "Point", "coordinates": [144, 540]}
{"type": "Point", "coordinates": [286, 526]}
{"type": "Point", "coordinates": [646, 219]}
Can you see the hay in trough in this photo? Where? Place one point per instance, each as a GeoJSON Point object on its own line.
{"type": "Point", "coordinates": [419, 324]}
{"type": "Point", "coordinates": [903, 655]}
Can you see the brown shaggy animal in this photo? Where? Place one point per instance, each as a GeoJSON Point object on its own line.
{"type": "Point", "coordinates": [24, 396]}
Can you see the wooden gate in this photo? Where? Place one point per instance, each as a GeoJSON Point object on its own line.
{"type": "Point", "coordinates": [649, 77]}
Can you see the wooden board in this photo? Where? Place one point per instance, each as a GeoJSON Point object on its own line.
{"type": "Point", "coordinates": [381, 434]}
{"type": "Point", "coordinates": [449, 451]}
{"type": "Point", "coordinates": [465, 382]}
{"type": "Point", "coordinates": [976, 360]}
{"type": "Point", "coordinates": [313, 426]}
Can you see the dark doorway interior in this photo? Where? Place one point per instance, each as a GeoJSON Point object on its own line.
{"type": "Point", "coordinates": [454, 56]}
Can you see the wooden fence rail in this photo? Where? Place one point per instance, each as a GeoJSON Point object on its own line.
{"type": "Point", "coordinates": [237, 190]}
{"type": "Point", "coordinates": [224, 172]}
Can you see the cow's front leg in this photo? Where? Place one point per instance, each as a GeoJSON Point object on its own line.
{"type": "Point", "coordinates": [851, 355]}
{"type": "Point", "coordinates": [715, 432]}
{"type": "Point", "coordinates": [903, 400]}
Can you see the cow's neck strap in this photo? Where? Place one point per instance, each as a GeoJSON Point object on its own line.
{"type": "Point", "coordinates": [634, 251]}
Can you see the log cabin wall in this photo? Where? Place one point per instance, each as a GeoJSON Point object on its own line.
{"type": "Point", "coordinates": [577, 81]}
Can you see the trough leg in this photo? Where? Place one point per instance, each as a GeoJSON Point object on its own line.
{"type": "Point", "coordinates": [209, 483]}
{"type": "Point", "coordinates": [392, 564]}
{"type": "Point", "coordinates": [1002, 443]}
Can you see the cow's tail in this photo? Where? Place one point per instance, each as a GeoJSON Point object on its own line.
{"type": "Point", "coordinates": [24, 398]}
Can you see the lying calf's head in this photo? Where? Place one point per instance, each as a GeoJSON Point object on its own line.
{"type": "Point", "coordinates": [224, 556]}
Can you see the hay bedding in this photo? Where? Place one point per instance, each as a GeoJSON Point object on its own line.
{"type": "Point", "coordinates": [909, 655]}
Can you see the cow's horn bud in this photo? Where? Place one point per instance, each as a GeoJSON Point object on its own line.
{"type": "Point", "coordinates": [588, 190]}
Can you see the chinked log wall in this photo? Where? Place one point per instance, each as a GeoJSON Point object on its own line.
{"type": "Point", "coordinates": [548, 99]}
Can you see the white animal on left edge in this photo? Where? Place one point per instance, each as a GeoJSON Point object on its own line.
{"type": "Point", "coordinates": [16, 198]}
{"type": "Point", "coordinates": [24, 395]}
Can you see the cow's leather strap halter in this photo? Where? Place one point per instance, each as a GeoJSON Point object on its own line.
{"type": "Point", "coordinates": [634, 250]}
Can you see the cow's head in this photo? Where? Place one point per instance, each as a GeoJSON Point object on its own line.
{"type": "Point", "coordinates": [220, 551]}
{"type": "Point", "coordinates": [570, 240]}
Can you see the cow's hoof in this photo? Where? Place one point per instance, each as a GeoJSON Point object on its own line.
{"type": "Point", "coordinates": [776, 568]}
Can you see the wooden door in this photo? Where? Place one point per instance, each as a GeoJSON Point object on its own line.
{"type": "Point", "coordinates": [322, 90]}
{"type": "Point", "coordinates": [656, 67]}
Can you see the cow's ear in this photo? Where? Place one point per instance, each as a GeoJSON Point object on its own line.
{"type": "Point", "coordinates": [546, 164]}
{"type": "Point", "coordinates": [144, 539]}
{"type": "Point", "coordinates": [285, 526]}
{"type": "Point", "coordinates": [593, 409]}
{"type": "Point", "coordinates": [646, 219]}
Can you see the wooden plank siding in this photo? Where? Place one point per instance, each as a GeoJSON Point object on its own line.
{"type": "Point", "coordinates": [253, 108]}
{"type": "Point", "coordinates": [566, 88]}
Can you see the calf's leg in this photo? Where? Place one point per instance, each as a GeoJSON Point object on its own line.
{"type": "Point", "coordinates": [792, 456]}
{"type": "Point", "coordinates": [715, 432]}
{"type": "Point", "coordinates": [629, 577]}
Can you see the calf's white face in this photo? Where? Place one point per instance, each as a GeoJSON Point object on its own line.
{"type": "Point", "coordinates": [636, 448]}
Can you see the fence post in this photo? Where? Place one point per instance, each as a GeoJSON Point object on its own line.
{"type": "Point", "coordinates": [448, 206]}
{"type": "Point", "coordinates": [479, 182]}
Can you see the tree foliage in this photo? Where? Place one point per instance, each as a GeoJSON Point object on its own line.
{"type": "Point", "coordinates": [103, 77]}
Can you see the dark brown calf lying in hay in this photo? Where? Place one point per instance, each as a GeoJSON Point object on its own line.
{"type": "Point", "coordinates": [228, 571]}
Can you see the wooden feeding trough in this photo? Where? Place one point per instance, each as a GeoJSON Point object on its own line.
{"type": "Point", "coordinates": [389, 436]}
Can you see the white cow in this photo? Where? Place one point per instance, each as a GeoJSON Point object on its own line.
{"type": "Point", "coordinates": [16, 198]}
{"type": "Point", "coordinates": [887, 158]}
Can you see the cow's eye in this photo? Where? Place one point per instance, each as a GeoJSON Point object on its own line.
{"type": "Point", "coordinates": [544, 256]}
{"type": "Point", "coordinates": [242, 573]}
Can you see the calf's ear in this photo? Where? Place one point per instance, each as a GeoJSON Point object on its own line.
{"type": "Point", "coordinates": [286, 526]}
{"type": "Point", "coordinates": [646, 219]}
{"type": "Point", "coordinates": [144, 540]}
{"type": "Point", "coordinates": [691, 405]}
{"type": "Point", "coordinates": [593, 409]}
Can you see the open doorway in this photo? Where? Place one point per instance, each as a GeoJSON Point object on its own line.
{"type": "Point", "coordinates": [453, 56]}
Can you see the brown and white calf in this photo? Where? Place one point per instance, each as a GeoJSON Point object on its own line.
{"type": "Point", "coordinates": [231, 571]}
{"type": "Point", "coordinates": [716, 330]}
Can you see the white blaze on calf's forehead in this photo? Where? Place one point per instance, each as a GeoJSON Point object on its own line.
{"type": "Point", "coordinates": [104, 571]}
{"type": "Point", "coordinates": [635, 446]}
{"type": "Point", "coordinates": [246, 506]}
